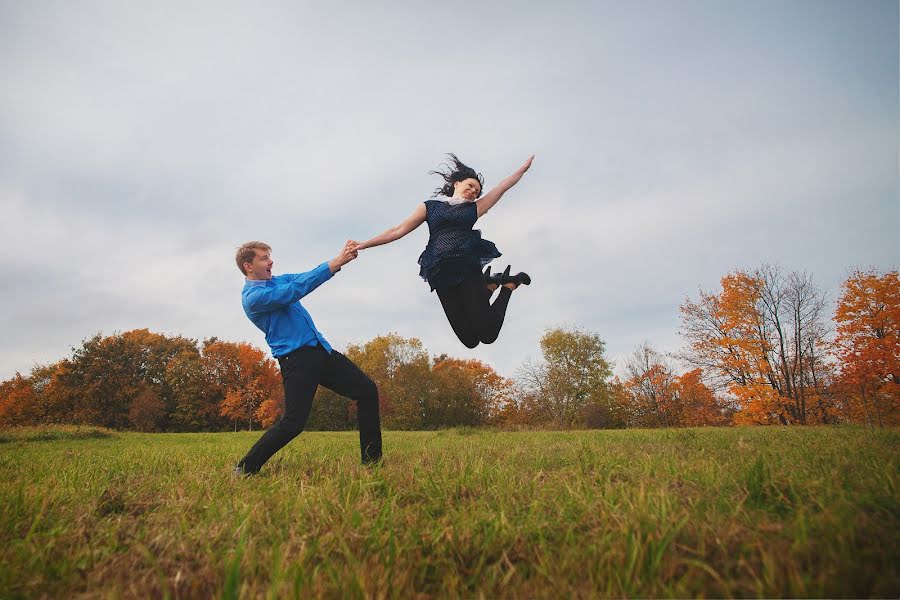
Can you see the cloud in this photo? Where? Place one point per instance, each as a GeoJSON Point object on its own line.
{"type": "Point", "coordinates": [140, 145]}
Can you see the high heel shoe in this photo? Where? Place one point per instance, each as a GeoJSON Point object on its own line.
{"type": "Point", "coordinates": [505, 277]}
{"type": "Point", "coordinates": [521, 279]}
{"type": "Point", "coordinates": [497, 278]}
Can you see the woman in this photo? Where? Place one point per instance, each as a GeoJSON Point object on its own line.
{"type": "Point", "coordinates": [455, 254]}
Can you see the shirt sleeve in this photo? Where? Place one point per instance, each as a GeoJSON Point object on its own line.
{"type": "Point", "coordinates": [287, 289]}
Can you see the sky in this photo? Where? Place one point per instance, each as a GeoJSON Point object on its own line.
{"type": "Point", "coordinates": [141, 143]}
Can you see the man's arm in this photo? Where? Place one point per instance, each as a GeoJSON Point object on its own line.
{"type": "Point", "coordinates": [348, 253]}
{"type": "Point", "coordinates": [291, 288]}
{"type": "Point", "coordinates": [287, 289]}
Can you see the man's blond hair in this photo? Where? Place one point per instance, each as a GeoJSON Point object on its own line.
{"type": "Point", "coordinates": [247, 252]}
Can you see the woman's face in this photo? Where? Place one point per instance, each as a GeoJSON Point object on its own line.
{"type": "Point", "coordinates": [469, 189]}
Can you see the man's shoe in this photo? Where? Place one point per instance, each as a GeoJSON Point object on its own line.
{"type": "Point", "coordinates": [373, 461]}
{"type": "Point", "coordinates": [239, 472]}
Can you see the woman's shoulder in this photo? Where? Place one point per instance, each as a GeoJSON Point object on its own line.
{"type": "Point", "coordinates": [436, 203]}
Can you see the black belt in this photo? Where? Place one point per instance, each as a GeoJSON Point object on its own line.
{"type": "Point", "coordinates": [294, 353]}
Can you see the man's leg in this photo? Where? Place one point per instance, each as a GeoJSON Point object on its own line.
{"type": "Point", "coordinates": [300, 373]}
{"type": "Point", "coordinates": [345, 378]}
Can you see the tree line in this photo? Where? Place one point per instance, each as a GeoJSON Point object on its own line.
{"type": "Point", "coordinates": [765, 341]}
{"type": "Point", "coordinates": [759, 351]}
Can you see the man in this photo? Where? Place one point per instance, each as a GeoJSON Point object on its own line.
{"type": "Point", "coordinates": [306, 359]}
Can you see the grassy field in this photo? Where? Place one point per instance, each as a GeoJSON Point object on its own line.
{"type": "Point", "coordinates": [699, 512]}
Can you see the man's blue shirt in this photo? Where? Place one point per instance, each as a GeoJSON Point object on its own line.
{"type": "Point", "coordinates": [273, 306]}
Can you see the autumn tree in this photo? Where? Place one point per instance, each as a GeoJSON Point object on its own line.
{"type": "Point", "coordinates": [106, 374]}
{"type": "Point", "coordinates": [572, 375]}
{"type": "Point", "coordinates": [696, 404]}
{"type": "Point", "coordinates": [243, 377]}
{"type": "Point", "coordinates": [241, 404]}
{"type": "Point", "coordinates": [18, 402]}
{"type": "Point", "coordinates": [51, 403]}
{"type": "Point", "coordinates": [612, 412]}
{"type": "Point", "coordinates": [269, 411]}
{"type": "Point", "coordinates": [657, 397]}
{"type": "Point", "coordinates": [867, 347]}
{"type": "Point", "coordinates": [195, 395]}
{"type": "Point", "coordinates": [763, 339]}
{"type": "Point", "coordinates": [99, 382]}
{"type": "Point", "coordinates": [520, 409]}
{"type": "Point", "coordinates": [463, 392]}
{"type": "Point", "coordinates": [145, 380]}
{"type": "Point", "coordinates": [400, 367]}
{"type": "Point", "coordinates": [650, 385]}
{"type": "Point", "coordinates": [147, 410]}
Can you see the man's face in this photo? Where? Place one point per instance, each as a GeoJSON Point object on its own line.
{"type": "Point", "coordinates": [261, 267]}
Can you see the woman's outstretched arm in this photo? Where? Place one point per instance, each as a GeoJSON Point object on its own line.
{"type": "Point", "coordinates": [395, 233]}
{"type": "Point", "coordinates": [486, 202]}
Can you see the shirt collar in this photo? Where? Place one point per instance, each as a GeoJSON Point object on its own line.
{"type": "Point", "coordinates": [255, 282]}
{"type": "Point", "coordinates": [454, 201]}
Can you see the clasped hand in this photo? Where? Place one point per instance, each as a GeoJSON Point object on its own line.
{"type": "Point", "coordinates": [348, 252]}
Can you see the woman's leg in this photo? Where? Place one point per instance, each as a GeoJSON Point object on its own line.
{"type": "Point", "coordinates": [460, 321]}
{"type": "Point", "coordinates": [486, 318]}
{"type": "Point", "coordinates": [473, 314]}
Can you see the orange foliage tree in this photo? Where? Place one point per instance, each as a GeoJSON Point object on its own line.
{"type": "Point", "coordinates": [698, 404]}
{"type": "Point", "coordinates": [763, 339]}
{"type": "Point", "coordinates": [868, 347]}
{"type": "Point", "coordinates": [147, 381]}
{"type": "Point", "coordinates": [18, 402]}
{"type": "Point", "coordinates": [245, 378]}
{"type": "Point", "coordinates": [464, 392]}
{"type": "Point", "coordinates": [241, 404]}
{"type": "Point", "coordinates": [650, 387]}
{"type": "Point", "coordinates": [269, 411]}
{"type": "Point", "coordinates": [656, 397]}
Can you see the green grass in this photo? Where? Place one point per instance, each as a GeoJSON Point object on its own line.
{"type": "Point", "coordinates": [743, 512]}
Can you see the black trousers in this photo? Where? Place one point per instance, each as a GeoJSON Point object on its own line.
{"type": "Point", "coordinates": [470, 312]}
{"type": "Point", "coordinates": [302, 371]}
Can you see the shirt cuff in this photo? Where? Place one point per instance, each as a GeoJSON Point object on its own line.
{"type": "Point", "coordinates": [328, 274]}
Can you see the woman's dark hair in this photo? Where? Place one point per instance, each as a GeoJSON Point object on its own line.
{"type": "Point", "coordinates": [454, 171]}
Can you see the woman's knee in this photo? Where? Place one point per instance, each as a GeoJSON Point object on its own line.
{"type": "Point", "coordinates": [466, 335]}
{"type": "Point", "coordinates": [490, 338]}
{"type": "Point", "coordinates": [470, 342]}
